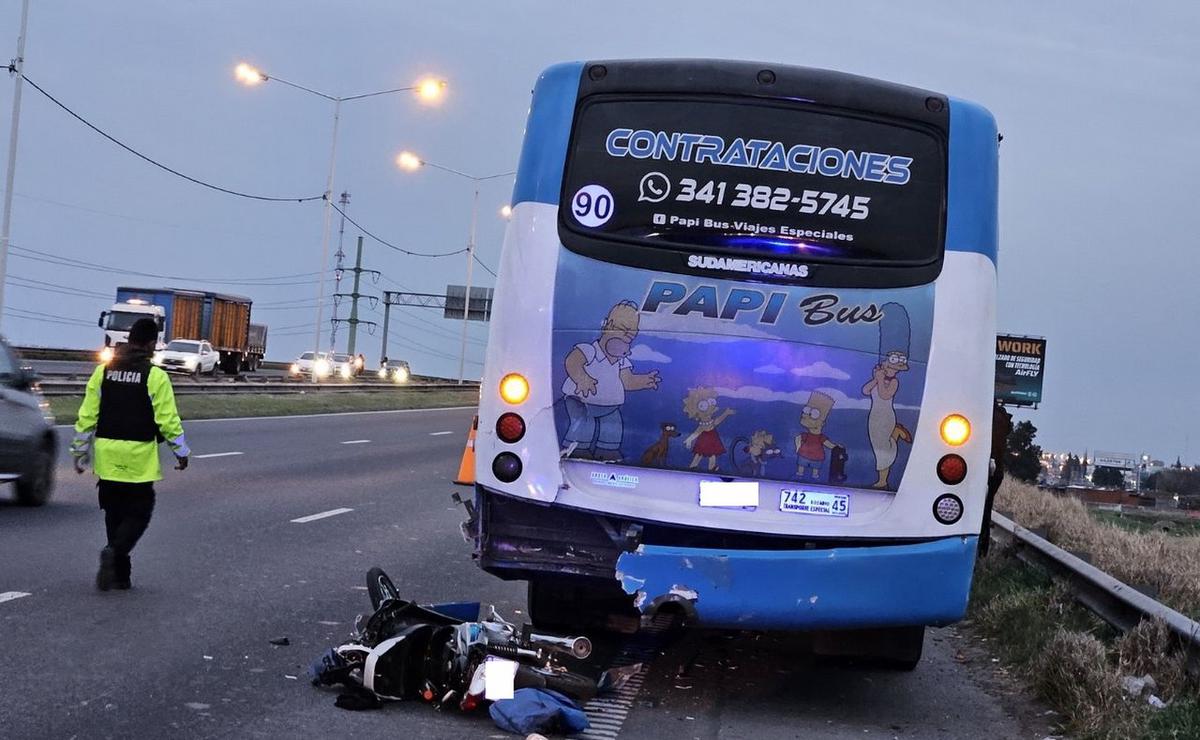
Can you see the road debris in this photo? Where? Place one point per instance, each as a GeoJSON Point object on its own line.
{"type": "Point", "coordinates": [281, 641]}
{"type": "Point", "coordinates": [463, 656]}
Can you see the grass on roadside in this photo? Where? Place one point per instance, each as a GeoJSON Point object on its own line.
{"type": "Point", "coordinates": [1072, 659]}
{"type": "Point", "coordinates": [235, 405]}
{"type": "Point", "coordinates": [1140, 523]}
{"type": "Point", "coordinates": [1167, 565]}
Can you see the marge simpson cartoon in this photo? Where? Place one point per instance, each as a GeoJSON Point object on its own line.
{"type": "Point", "coordinates": [882, 427]}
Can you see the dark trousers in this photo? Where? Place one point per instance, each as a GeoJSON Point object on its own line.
{"type": "Point", "coordinates": [127, 509]}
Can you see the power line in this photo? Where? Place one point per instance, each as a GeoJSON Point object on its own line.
{"type": "Point", "coordinates": [154, 162]}
{"type": "Point", "coordinates": [489, 270]}
{"type": "Point", "coordinates": [388, 244]}
{"type": "Point", "coordinates": [51, 287]}
{"type": "Point", "coordinates": [51, 317]}
{"type": "Point", "coordinates": [268, 281]}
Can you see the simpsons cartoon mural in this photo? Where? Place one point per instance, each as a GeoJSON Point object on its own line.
{"type": "Point", "coordinates": [812, 442]}
{"type": "Point", "coordinates": [700, 405]}
{"type": "Point", "coordinates": [598, 375]}
{"type": "Point", "coordinates": [882, 428]}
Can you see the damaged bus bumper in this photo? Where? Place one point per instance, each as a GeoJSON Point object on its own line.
{"type": "Point", "coordinates": [842, 587]}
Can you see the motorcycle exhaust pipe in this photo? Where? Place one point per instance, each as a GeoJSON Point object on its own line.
{"type": "Point", "coordinates": [578, 647]}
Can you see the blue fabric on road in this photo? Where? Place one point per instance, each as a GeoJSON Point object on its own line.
{"type": "Point", "coordinates": [538, 710]}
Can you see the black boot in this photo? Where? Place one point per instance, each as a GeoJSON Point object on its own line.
{"type": "Point", "coordinates": [106, 576]}
{"type": "Point", "coordinates": [121, 573]}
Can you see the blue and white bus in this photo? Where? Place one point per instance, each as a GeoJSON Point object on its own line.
{"type": "Point", "coordinates": [742, 348]}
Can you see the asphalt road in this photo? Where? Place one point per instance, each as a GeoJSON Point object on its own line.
{"type": "Point", "coordinates": [224, 569]}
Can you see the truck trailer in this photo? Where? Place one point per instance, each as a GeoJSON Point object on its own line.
{"type": "Point", "coordinates": [220, 319]}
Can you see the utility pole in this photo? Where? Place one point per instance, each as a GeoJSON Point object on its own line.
{"type": "Point", "coordinates": [16, 68]}
{"type": "Point", "coordinates": [340, 259]}
{"type": "Point", "coordinates": [389, 297]}
{"type": "Point", "coordinates": [462, 352]}
{"type": "Point", "coordinates": [353, 321]}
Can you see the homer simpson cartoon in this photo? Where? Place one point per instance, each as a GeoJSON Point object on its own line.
{"type": "Point", "coordinates": [598, 375]}
{"type": "Point", "coordinates": [812, 443]}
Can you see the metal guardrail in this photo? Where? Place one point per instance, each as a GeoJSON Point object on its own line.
{"type": "Point", "coordinates": [51, 387]}
{"type": "Point", "coordinates": [1114, 601]}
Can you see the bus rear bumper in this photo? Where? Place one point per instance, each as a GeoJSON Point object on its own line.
{"type": "Point", "coordinates": [838, 588]}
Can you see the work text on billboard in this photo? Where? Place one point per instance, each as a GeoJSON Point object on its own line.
{"type": "Point", "coordinates": [1020, 363]}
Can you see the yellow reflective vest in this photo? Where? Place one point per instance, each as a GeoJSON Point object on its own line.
{"type": "Point", "coordinates": [129, 406]}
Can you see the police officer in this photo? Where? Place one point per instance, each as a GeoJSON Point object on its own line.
{"type": "Point", "coordinates": [128, 408]}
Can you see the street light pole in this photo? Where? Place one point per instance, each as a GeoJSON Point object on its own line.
{"type": "Point", "coordinates": [409, 161]}
{"type": "Point", "coordinates": [428, 89]}
{"type": "Point", "coordinates": [17, 67]}
{"type": "Point", "coordinates": [328, 220]}
{"type": "Point", "coordinates": [462, 352]}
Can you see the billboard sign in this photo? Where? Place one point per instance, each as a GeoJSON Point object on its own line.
{"type": "Point", "coordinates": [481, 303]}
{"type": "Point", "coordinates": [1020, 363]}
{"type": "Point", "coordinates": [1119, 460]}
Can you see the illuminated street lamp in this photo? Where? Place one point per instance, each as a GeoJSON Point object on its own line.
{"type": "Point", "coordinates": [411, 162]}
{"type": "Point", "coordinates": [427, 90]}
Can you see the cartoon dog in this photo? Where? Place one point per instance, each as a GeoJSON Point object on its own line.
{"type": "Point", "coordinates": [656, 454]}
{"type": "Point", "coordinates": [761, 448]}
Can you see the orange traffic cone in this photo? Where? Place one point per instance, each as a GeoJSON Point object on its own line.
{"type": "Point", "coordinates": [466, 468]}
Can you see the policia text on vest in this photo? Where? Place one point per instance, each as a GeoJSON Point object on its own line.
{"type": "Point", "coordinates": [129, 407]}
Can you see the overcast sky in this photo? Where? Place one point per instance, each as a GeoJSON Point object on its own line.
{"type": "Point", "coordinates": [1098, 165]}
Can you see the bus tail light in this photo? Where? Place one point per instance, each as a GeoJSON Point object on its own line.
{"type": "Point", "coordinates": [506, 467]}
{"type": "Point", "coordinates": [955, 429]}
{"type": "Point", "coordinates": [514, 388]}
{"type": "Point", "coordinates": [510, 427]}
{"type": "Point", "coordinates": [948, 508]}
{"type": "Point", "coordinates": [951, 469]}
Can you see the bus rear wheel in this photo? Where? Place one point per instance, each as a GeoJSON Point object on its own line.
{"type": "Point", "coordinates": [562, 607]}
{"type": "Point", "coordinates": [894, 647]}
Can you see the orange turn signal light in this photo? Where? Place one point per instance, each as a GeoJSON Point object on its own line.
{"type": "Point", "coordinates": [514, 388]}
{"type": "Point", "coordinates": [955, 430]}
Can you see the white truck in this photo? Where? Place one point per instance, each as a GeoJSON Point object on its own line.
{"type": "Point", "coordinates": [118, 319]}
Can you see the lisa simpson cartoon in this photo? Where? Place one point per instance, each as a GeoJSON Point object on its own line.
{"type": "Point", "coordinates": [700, 406]}
{"type": "Point", "coordinates": [598, 374]}
{"type": "Point", "coordinates": [812, 442]}
{"type": "Point", "coordinates": [882, 428]}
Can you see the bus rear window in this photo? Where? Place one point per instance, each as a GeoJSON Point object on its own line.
{"type": "Point", "coordinates": [759, 177]}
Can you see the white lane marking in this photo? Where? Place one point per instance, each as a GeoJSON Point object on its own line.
{"type": "Point", "coordinates": [322, 515]}
{"type": "Point", "coordinates": [217, 454]}
{"type": "Point", "coordinates": [189, 422]}
{"type": "Point", "coordinates": [10, 595]}
{"type": "Point", "coordinates": [356, 442]}
{"type": "Point", "coordinates": [439, 434]}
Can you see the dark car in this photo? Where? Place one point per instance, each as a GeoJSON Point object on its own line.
{"type": "Point", "coordinates": [28, 447]}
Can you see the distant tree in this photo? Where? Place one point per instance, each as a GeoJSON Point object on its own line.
{"type": "Point", "coordinates": [1150, 483]}
{"type": "Point", "coordinates": [1024, 457]}
{"type": "Point", "coordinates": [1105, 477]}
{"type": "Point", "coordinates": [1178, 463]}
{"type": "Point", "coordinates": [1182, 482]}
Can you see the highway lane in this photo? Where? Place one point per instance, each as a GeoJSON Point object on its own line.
{"type": "Point", "coordinates": [246, 547]}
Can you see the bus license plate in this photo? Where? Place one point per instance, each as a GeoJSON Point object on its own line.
{"type": "Point", "coordinates": [812, 502]}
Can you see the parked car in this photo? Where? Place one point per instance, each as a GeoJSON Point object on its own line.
{"type": "Point", "coordinates": [309, 362]}
{"type": "Point", "coordinates": [193, 356]}
{"type": "Point", "coordinates": [28, 446]}
{"type": "Point", "coordinates": [395, 370]}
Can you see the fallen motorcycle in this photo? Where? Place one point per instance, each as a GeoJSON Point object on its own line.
{"type": "Point", "coordinates": [405, 651]}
